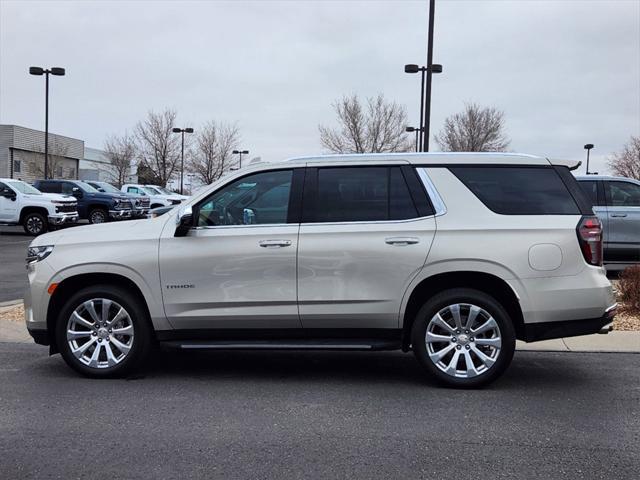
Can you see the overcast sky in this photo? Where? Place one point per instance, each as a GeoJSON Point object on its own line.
{"type": "Point", "coordinates": [565, 73]}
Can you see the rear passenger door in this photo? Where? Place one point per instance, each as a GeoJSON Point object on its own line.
{"type": "Point", "coordinates": [365, 234]}
{"type": "Point", "coordinates": [623, 205]}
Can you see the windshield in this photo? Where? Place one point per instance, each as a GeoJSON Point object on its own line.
{"type": "Point", "coordinates": [107, 187]}
{"type": "Point", "coordinates": [85, 186]}
{"type": "Point", "coordinates": [150, 191]}
{"type": "Point", "coordinates": [24, 188]}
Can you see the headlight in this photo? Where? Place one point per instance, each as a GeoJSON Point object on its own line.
{"type": "Point", "coordinates": [35, 254]}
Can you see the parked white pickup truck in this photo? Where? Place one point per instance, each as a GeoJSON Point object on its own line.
{"type": "Point", "coordinates": [157, 199]}
{"type": "Point", "coordinates": [22, 204]}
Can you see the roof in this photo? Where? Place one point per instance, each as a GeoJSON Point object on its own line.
{"type": "Point", "coordinates": [605, 177]}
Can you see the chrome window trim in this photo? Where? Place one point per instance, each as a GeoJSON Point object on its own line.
{"type": "Point", "coordinates": [369, 222]}
{"type": "Point", "coordinates": [216, 227]}
{"type": "Point", "coordinates": [438, 204]}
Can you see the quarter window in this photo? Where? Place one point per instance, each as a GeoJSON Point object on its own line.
{"type": "Point", "coordinates": [623, 194]}
{"type": "Point", "coordinates": [262, 198]}
{"type": "Point", "coordinates": [361, 194]}
{"type": "Point", "coordinates": [590, 188]}
{"type": "Point", "coordinates": [518, 190]}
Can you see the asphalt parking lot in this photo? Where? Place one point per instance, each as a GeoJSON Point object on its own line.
{"type": "Point", "coordinates": [318, 415]}
{"type": "Point", "coordinates": [13, 250]}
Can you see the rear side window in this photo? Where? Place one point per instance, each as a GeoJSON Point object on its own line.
{"type": "Point", "coordinates": [623, 194]}
{"type": "Point", "coordinates": [49, 187]}
{"type": "Point", "coordinates": [361, 194]}
{"type": "Point", "coordinates": [518, 190]}
{"type": "Point", "coordinates": [590, 188]}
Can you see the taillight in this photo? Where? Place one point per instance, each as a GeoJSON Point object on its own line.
{"type": "Point", "coordinates": [590, 239]}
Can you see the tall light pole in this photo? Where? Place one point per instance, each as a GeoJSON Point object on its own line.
{"type": "Point", "coordinates": [588, 148]}
{"type": "Point", "coordinates": [58, 71]}
{"type": "Point", "coordinates": [413, 68]}
{"type": "Point", "coordinates": [240, 153]}
{"type": "Point", "coordinates": [430, 71]}
{"type": "Point", "coordinates": [418, 131]}
{"type": "Point", "coordinates": [182, 131]}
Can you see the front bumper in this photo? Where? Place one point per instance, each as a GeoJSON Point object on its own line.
{"type": "Point", "coordinates": [141, 213]}
{"type": "Point", "coordinates": [63, 218]}
{"type": "Point", "coordinates": [120, 214]}
{"type": "Point", "coordinates": [534, 332]}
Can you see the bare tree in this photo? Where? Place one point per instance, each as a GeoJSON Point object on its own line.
{"type": "Point", "coordinates": [158, 147]}
{"type": "Point", "coordinates": [211, 155]}
{"type": "Point", "coordinates": [121, 152]}
{"type": "Point", "coordinates": [375, 127]}
{"type": "Point", "coordinates": [626, 163]}
{"type": "Point", "coordinates": [475, 129]}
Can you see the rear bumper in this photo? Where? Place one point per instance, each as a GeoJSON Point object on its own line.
{"type": "Point", "coordinates": [41, 337]}
{"type": "Point", "coordinates": [534, 332]}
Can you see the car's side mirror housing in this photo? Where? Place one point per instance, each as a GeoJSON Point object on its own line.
{"type": "Point", "coordinates": [11, 195]}
{"type": "Point", "coordinates": [76, 192]}
{"type": "Point", "coordinates": [184, 221]}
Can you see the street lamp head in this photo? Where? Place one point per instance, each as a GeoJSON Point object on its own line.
{"type": "Point", "coordinates": [36, 70]}
{"type": "Point", "coordinates": [410, 129]}
{"type": "Point", "coordinates": [588, 146]}
{"type": "Point", "coordinates": [57, 71]}
{"type": "Point", "coordinates": [436, 68]}
{"type": "Point", "coordinates": [235, 152]}
{"type": "Point", "coordinates": [188, 130]}
{"type": "Point", "coordinates": [411, 68]}
{"type": "Point", "coordinates": [244, 152]}
{"type": "Point", "coordinates": [176, 130]}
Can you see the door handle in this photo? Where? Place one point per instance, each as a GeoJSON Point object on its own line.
{"type": "Point", "coordinates": [618, 215]}
{"type": "Point", "coordinates": [401, 241]}
{"type": "Point", "coordinates": [274, 243]}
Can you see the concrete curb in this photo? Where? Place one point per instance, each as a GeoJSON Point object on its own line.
{"type": "Point", "coordinates": [11, 303]}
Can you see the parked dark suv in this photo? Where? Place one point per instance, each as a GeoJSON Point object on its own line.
{"type": "Point", "coordinates": [95, 206]}
{"type": "Point", "coordinates": [140, 202]}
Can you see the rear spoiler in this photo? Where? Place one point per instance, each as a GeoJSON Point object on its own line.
{"type": "Point", "coordinates": [570, 164]}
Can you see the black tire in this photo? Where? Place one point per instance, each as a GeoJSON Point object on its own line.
{"type": "Point", "coordinates": [34, 224]}
{"type": "Point", "coordinates": [464, 339]}
{"type": "Point", "coordinates": [142, 331]}
{"type": "Point", "coordinates": [98, 215]}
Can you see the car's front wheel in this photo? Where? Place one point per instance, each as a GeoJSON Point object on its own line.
{"type": "Point", "coordinates": [34, 224]}
{"type": "Point", "coordinates": [103, 331]}
{"type": "Point", "coordinates": [463, 337]}
{"type": "Point", "coordinates": [98, 215]}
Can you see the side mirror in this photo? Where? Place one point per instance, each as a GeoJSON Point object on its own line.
{"type": "Point", "coordinates": [10, 194]}
{"type": "Point", "coordinates": [76, 192]}
{"type": "Point", "coordinates": [184, 221]}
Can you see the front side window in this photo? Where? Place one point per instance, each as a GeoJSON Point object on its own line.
{"type": "Point", "coordinates": [258, 199]}
{"type": "Point", "coordinates": [590, 188]}
{"type": "Point", "coordinates": [67, 188]}
{"type": "Point", "coordinates": [623, 194]}
{"type": "Point", "coordinates": [518, 190]}
{"type": "Point", "coordinates": [363, 194]}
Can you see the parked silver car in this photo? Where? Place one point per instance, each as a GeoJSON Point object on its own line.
{"type": "Point", "coordinates": [616, 201]}
{"type": "Point", "coordinates": [453, 256]}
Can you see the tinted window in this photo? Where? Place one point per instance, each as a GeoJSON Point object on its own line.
{"type": "Point", "coordinates": [590, 188]}
{"type": "Point", "coordinates": [519, 190]}
{"type": "Point", "coordinates": [132, 190]}
{"type": "Point", "coordinates": [49, 187]}
{"type": "Point", "coordinates": [623, 194]}
{"type": "Point", "coordinates": [360, 194]}
{"type": "Point", "coordinates": [67, 188]}
{"type": "Point", "coordinates": [262, 198]}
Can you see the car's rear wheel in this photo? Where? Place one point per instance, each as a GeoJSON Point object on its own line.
{"type": "Point", "coordinates": [98, 215]}
{"type": "Point", "coordinates": [103, 331]}
{"type": "Point", "coordinates": [463, 337]}
{"type": "Point", "coordinates": [34, 224]}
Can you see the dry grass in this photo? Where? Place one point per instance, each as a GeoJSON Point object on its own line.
{"type": "Point", "coordinates": [13, 314]}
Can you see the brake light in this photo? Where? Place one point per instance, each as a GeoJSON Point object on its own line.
{"type": "Point", "coordinates": [590, 239]}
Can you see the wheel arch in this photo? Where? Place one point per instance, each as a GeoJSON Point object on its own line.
{"type": "Point", "coordinates": [71, 284]}
{"type": "Point", "coordinates": [488, 283]}
{"type": "Point", "coordinates": [32, 209]}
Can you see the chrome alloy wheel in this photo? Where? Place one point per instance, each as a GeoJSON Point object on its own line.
{"type": "Point", "coordinates": [35, 225]}
{"type": "Point", "coordinates": [463, 340]}
{"type": "Point", "coordinates": [100, 333]}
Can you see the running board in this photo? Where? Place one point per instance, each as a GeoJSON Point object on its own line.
{"type": "Point", "coordinates": [287, 344]}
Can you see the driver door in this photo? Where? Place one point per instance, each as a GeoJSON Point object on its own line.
{"type": "Point", "coordinates": [236, 267]}
{"type": "Point", "coordinates": [8, 207]}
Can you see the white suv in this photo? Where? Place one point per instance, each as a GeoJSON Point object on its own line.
{"type": "Point", "coordinates": [157, 199]}
{"type": "Point", "coordinates": [453, 256]}
{"type": "Point", "coordinates": [37, 212]}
